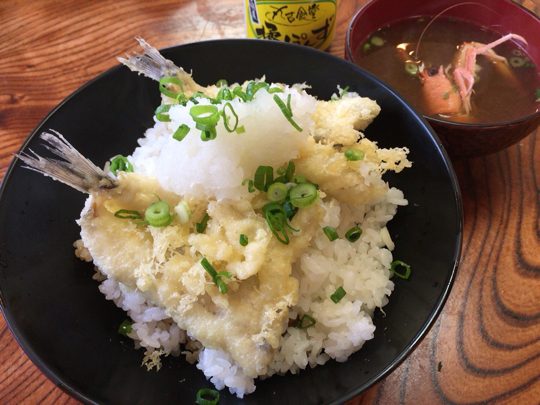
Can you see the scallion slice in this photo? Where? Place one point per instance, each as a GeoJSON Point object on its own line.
{"type": "Point", "coordinates": [238, 92]}
{"type": "Point", "coordinates": [216, 276]}
{"type": "Point", "coordinates": [377, 41]}
{"type": "Point", "coordinates": [353, 234]}
{"type": "Point", "coordinates": [274, 89]}
{"type": "Point", "coordinates": [354, 155]}
{"type": "Point", "coordinates": [338, 295]}
{"type": "Point", "coordinates": [207, 134]}
{"type": "Point", "coordinates": [207, 396]}
{"type": "Point", "coordinates": [126, 327]}
{"type": "Point", "coordinates": [222, 83]}
{"type": "Point", "coordinates": [249, 182]}
{"type": "Point", "coordinates": [286, 110]}
{"type": "Point", "coordinates": [181, 132]}
{"type": "Point", "coordinates": [128, 214]}
{"type": "Point", "coordinates": [277, 221]}
{"type": "Point", "coordinates": [330, 233]}
{"type": "Point", "coordinates": [303, 195]}
{"type": "Point", "coordinates": [120, 163]}
{"type": "Point", "coordinates": [226, 118]}
{"type": "Point", "coordinates": [277, 192]}
{"type": "Point", "coordinates": [411, 68]}
{"type": "Point", "coordinates": [398, 264]}
{"type": "Point", "coordinates": [253, 87]}
{"type": "Point", "coordinates": [158, 214]}
{"type": "Point", "coordinates": [161, 113]}
{"type": "Point", "coordinates": [224, 94]}
{"type": "Point", "coordinates": [170, 81]}
{"type": "Point", "coordinates": [200, 227]}
{"type": "Point", "coordinates": [243, 240]}
{"type": "Point", "coordinates": [305, 322]}
{"type": "Point", "coordinates": [264, 176]}
{"type": "Point", "coordinates": [289, 172]}
{"type": "Point", "coordinates": [207, 115]}
{"type": "Point", "coordinates": [240, 130]}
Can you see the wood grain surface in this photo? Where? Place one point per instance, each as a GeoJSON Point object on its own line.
{"type": "Point", "coordinates": [485, 346]}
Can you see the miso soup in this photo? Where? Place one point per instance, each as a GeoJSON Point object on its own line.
{"type": "Point", "coordinates": [504, 89]}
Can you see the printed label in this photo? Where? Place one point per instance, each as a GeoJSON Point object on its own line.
{"type": "Point", "coordinates": [308, 23]}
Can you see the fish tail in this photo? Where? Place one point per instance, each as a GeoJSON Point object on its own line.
{"type": "Point", "coordinates": [72, 169]}
{"type": "Point", "coordinates": [150, 63]}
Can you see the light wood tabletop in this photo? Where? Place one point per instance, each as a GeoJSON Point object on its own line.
{"type": "Point", "coordinates": [483, 348]}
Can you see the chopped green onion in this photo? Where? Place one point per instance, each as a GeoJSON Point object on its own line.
{"type": "Point", "coordinates": [353, 234]}
{"type": "Point", "coordinates": [128, 214]}
{"type": "Point", "coordinates": [222, 83]}
{"type": "Point", "coordinates": [208, 134]}
{"type": "Point", "coordinates": [237, 91]}
{"type": "Point", "coordinates": [244, 240]}
{"type": "Point", "coordinates": [158, 214]}
{"type": "Point", "coordinates": [240, 130]}
{"type": "Point", "coordinates": [249, 182]}
{"type": "Point", "coordinates": [517, 62]}
{"type": "Point", "coordinates": [181, 132]}
{"type": "Point", "coordinates": [183, 212]}
{"type": "Point", "coordinates": [216, 277]}
{"type": "Point", "coordinates": [377, 41]}
{"type": "Point", "coordinates": [205, 115]}
{"type": "Point", "coordinates": [354, 154]}
{"type": "Point", "coordinates": [164, 83]}
{"type": "Point", "coordinates": [286, 110]}
{"type": "Point", "coordinates": [224, 94]}
{"type": "Point", "coordinates": [126, 327]}
{"type": "Point", "coordinates": [411, 68]}
{"type": "Point", "coordinates": [306, 321]}
{"type": "Point", "coordinates": [277, 192]}
{"type": "Point", "coordinates": [289, 172]}
{"type": "Point", "coordinates": [226, 118]}
{"type": "Point", "coordinates": [253, 87]}
{"type": "Point", "coordinates": [274, 89]}
{"type": "Point", "coordinates": [342, 92]}
{"type": "Point", "coordinates": [366, 47]}
{"type": "Point", "coordinates": [330, 233]}
{"type": "Point", "coordinates": [207, 396]}
{"type": "Point", "coordinates": [338, 295]}
{"type": "Point", "coordinates": [264, 176]}
{"type": "Point", "coordinates": [276, 218]}
{"type": "Point", "coordinates": [303, 195]}
{"type": "Point", "coordinates": [397, 264]}
{"type": "Point", "coordinates": [161, 113]}
{"type": "Point", "coordinates": [120, 163]}
{"type": "Point", "coordinates": [200, 227]}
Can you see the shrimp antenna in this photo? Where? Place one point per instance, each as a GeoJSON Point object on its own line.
{"type": "Point", "coordinates": [72, 169]}
{"type": "Point", "coordinates": [466, 3]}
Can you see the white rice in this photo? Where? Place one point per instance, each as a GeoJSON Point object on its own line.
{"type": "Point", "coordinates": [361, 268]}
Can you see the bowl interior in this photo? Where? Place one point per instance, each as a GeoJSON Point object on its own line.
{"type": "Point", "coordinates": [69, 330]}
{"type": "Point", "coordinates": [501, 16]}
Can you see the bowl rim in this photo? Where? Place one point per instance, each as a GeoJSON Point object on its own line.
{"type": "Point", "coordinates": [60, 381]}
{"type": "Point", "coordinates": [441, 121]}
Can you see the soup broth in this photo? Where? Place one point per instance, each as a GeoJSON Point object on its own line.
{"type": "Point", "coordinates": [496, 96]}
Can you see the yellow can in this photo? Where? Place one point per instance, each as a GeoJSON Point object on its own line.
{"type": "Point", "coordinates": [303, 22]}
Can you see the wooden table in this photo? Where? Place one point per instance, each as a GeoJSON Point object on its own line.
{"type": "Point", "coordinates": [485, 346]}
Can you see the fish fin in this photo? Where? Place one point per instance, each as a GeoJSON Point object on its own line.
{"type": "Point", "coordinates": [151, 63]}
{"type": "Point", "coordinates": [72, 169]}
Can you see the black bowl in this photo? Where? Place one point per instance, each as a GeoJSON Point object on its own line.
{"type": "Point", "coordinates": [69, 330]}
